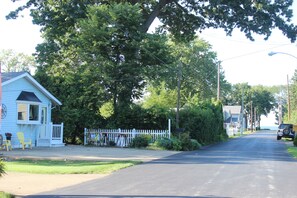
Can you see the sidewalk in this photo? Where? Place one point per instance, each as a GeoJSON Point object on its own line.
{"type": "Point", "coordinates": [22, 184]}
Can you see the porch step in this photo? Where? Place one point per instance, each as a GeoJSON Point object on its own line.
{"type": "Point", "coordinates": [43, 143]}
{"type": "Point", "coordinates": [58, 145]}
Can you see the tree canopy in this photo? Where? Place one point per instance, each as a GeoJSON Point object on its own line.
{"type": "Point", "coordinates": [180, 17]}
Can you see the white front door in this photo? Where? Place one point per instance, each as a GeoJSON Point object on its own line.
{"type": "Point", "coordinates": [43, 129]}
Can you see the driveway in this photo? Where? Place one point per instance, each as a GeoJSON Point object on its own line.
{"type": "Point", "coordinates": [27, 184]}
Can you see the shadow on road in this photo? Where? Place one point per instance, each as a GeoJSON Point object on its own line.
{"type": "Point", "coordinates": [248, 149]}
{"type": "Point", "coordinates": [121, 196]}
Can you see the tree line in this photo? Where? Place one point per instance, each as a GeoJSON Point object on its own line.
{"type": "Point", "coordinates": [100, 61]}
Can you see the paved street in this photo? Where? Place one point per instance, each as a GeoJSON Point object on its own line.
{"type": "Point", "coordinates": [252, 166]}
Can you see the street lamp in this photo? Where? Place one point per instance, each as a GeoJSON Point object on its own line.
{"type": "Point", "coordinates": [289, 106]}
{"type": "Point", "coordinates": [273, 53]}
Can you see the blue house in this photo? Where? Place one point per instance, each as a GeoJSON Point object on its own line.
{"type": "Point", "coordinates": [26, 107]}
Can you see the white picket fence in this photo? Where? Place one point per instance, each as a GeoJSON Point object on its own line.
{"type": "Point", "coordinates": [120, 137]}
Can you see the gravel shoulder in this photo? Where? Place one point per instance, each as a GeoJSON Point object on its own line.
{"type": "Point", "coordinates": [22, 184]}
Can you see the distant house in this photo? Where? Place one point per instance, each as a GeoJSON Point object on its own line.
{"type": "Point", "coordinates": [232, 118]}
{"type": "Point", "coordinates": [26, 107]}
{"type": "Point", "coordinates": [232, 114]}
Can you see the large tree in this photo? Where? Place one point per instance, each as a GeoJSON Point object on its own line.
{"type": "Point", "coordinates": [181, 17]}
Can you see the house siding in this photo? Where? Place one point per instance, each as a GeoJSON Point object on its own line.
{"type": "Point", "coordinates": [10, 92]}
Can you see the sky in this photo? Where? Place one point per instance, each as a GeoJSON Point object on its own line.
{"type": "Point", "coordinates": [242, 59]}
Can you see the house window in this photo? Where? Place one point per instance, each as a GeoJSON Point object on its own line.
{"type": "Point", "coordinates": [22, 112]}
{"type": "Point", "coordinates": [28, 113]}
{"type": "Point", "coordinates": [28, 106]}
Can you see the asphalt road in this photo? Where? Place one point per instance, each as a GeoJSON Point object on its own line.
{"type": "Point", "coordinates": [252, 166]}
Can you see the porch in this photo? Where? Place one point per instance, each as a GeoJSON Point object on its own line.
{"type": "Point", "coordinates": [51, 137]}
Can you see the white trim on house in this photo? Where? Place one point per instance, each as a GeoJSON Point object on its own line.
{"type": "Point", "coordinates": [36, 84]}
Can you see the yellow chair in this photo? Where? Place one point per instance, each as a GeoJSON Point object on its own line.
{"type": "Point", "coordinates": [5, 143]}
{"type": "Point", "coordinates": [24, 142]}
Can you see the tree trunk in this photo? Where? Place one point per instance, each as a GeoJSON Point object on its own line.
{"type": "Point", "coordinates": [154, 14]}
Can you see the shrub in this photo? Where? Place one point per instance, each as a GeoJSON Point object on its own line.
{"type": "Point", "coordinates": [176, 144]}
{"type": "Point", "coordinates": [169, 144]}
{"type": "Point", "coordinates": [2, 166]}
{"type": "Point", "coordinates": [295, 141]}
{"type": "Point", "coordinates": [141, 141]}
{"type": "Point", "coordinates": [182, 144]}
{"type": "Point", "coordinates": [189, 144]}
{"type": "Point", "coordinates": [6, 195]}
{"type": "Point", "coordinates": [195, 144]}
{"type": "Point", "coordinates": [164, 143]}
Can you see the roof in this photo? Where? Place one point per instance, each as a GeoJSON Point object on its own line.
{"type": "Point", "coordinates": [10, 77]}
{"type": "Point", "coordinates": [28, 96]}
{"type": "Point", "coordinates": [232, 109]}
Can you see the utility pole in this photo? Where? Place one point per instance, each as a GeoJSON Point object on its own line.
{"type": "Point", "coordinates": [241, 112]}
{"type": "Point", "coordinates": [252, 116]}
{"type": "Point", "coordinates": [218, 88]}
{"type": "Point", "coordinates": [255, 117]}
{"type": "Point", "coordinates": [289, 103]}
{"type": "Point", "coordinates": [179, 78]}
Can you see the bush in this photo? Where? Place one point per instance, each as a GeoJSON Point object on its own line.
{"type": "Point", "coordinates": [2, 166]}
{"type": "Point", "coordinates": [6, 195]}
{"type": "Point", "coordinates": [295, 141]}
{"type": "Point", "coordinates": [176, 144]}
{"type": "Point", "coordinates": [189, 144]}
{"type": "Point", "coordinates": [141, 141]}
{"type": "Point", "coordinates": [164, 143]}
{"type": "Point", "coordinates": [182, 144]}
{"type": "Point", "coordinates": [195, 144]}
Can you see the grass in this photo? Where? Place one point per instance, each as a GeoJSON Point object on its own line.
{"type": "Point", "coordinates": [66, 167]}
{"type": "Point", "coordinates": [293, 151]}
{"type": "Point", "coordinates": [6, 195]}
{"type": "Point", "coordinates": [239, 134]}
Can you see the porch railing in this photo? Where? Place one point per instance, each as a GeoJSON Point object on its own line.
{"type": "Point", "coordinates": [57, 131]}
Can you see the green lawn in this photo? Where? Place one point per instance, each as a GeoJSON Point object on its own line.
{"type": "Point", "coordinates": [6, 195]}
{"type": "Point", "coordinates": [293, 151]}
{"type": "Point", "coordinates": [66, 167]}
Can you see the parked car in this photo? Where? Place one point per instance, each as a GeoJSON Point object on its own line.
{"type": "Point", "coordinates": [285, 130]}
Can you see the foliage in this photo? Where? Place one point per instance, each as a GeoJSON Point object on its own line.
{"type": "Point", "coordinates": [181, 19]}
{"type": "Point", "coordinates": [293, 151]}
{"type": "Point", "coordinates": [188, 144]}
{"type": "Point", "coordinates": [2, 167]}
{"type": "Point", "coordinates": [6, 195]}
{"type": "Point", "coordinates": [12, 61]}
{"type": "Point", "coordinates": [184, 143]}
{"type": "Point", "coordinates": [204, 122]}
{"type": "Point", "coordinates": [106, 110]}
{"type": "Point", "coordinates": [67, 166]}
{"type": "Point", "coordinates": [295, 141]}
{"type": "Point", "coordinates": [141, 141]}
{"type": "Point", "coordinates": [197, 67]}
{"type": "Point", "coordinates": [258, 97]}
{"type": "Point", "coordinates": [165, 143]}
{"type": "Point", "coordinates": [159, 97]}
{"type": "Point", "coordinates": [293, 101]}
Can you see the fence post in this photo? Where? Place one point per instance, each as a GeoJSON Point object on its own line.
{"type": "Point", "coordinates": [169, 128]}
{"type": "Point", "coordinates": [62, 132]}
{"type": "Point", "coordinates": [133, 133]}
{"type": "Point", "coordinates": [85, 136]}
